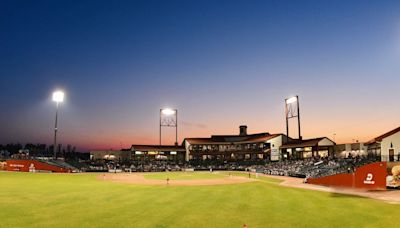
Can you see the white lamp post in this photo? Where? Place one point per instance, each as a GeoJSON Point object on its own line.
{"type": "Point", "coordinates": [58, 97]}
{"type": "Point", "coordinates": [169, 122]}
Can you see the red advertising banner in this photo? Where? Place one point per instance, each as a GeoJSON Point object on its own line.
{"type": "Point", "coordinates": [371, 176]}
{"type": "Point", "coordinates": [33, 166]}
{"type": "Point", "coordinates": [339, 180]}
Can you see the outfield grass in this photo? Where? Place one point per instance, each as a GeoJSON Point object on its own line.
{"type": "Point", "coordinates": [80, 200]}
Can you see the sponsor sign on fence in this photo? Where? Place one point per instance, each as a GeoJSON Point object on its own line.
{"type": "Point", "coordinates": [371, 176]}
{"type": "Point", "coordinates": [30, 165]}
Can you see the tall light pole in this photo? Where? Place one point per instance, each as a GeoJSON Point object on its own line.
{"type": "Point", "coordinates": [292, 112]}
{"type": "Point", "coordinates": [58, 97]}
{"type": "Point", "coordinates": [169, 118]}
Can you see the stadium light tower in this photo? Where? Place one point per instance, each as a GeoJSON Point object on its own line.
{"type": "Point", "coordinates": [58, 97]}
{"type": "Point", "coordinates": [292, 110]}
{"type": "Point", "coordinates": [169, 118]}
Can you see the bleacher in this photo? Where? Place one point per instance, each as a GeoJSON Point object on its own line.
{"type": "Point", "coordinates": [314, 167]}
{"type": "Point", "coordinates": [59, 163]}
{"type": "Point", "coordinates": [305, 168]}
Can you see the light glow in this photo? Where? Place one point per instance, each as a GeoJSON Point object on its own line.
{"type": "Point", "coordinates": [109, 156]}
{"type": "Point", "coordinates": [291, 100]}
{"type": "Point", "coordinates": [168, 111]}
{"type": "Point", "coordinates": [58, 96]}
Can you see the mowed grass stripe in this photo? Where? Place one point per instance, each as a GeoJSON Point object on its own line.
{"type": "Point", "coordinates": [80, 200]}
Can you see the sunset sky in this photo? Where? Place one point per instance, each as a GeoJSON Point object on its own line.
{"type": "Point", "coordinates": [220, 63]}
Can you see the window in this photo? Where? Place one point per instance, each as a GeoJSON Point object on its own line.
{"type": "Point", "coordinates": [307, 154]}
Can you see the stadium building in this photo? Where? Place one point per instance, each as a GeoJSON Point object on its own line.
{"type": "Point", "coordinates": [261, 146]}
{"type": "Point", "coordinates": [141, 153]}
{"type": "Point", "coordinates": [300, 149]}
{"type": "Point", "coordinates": [112, 155]}
{"type": "Point", "coordinates": [242, 147]}
{"type": "Point", "coordinates": [387, 146]}
{"type": "Point", "coordinates": [157, 152]}
{"type": "Point", "coordinates": [348, 150]}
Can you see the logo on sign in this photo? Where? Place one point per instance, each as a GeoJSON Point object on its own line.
{"type": "Point", "coordinates": [32, 168]}
{"type": "Point", "coordinates": [369, 178]}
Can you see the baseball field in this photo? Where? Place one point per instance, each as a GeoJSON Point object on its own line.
{"type": "Point", "coordinates": [147, 200]}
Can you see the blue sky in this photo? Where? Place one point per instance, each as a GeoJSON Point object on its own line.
{"type": "Point", "coordinates": [221, 63]}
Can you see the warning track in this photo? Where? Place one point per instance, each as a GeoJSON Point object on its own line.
{"type": "Point", "coordinates": [389, 196]}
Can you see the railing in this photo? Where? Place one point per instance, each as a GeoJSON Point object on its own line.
{"type": "Point", "coordinates": [390, 158]}
{"type": "Point", "coordinates": [228, 151]}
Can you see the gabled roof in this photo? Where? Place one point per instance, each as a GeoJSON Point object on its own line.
{"type": "Point", "coordinates": [303, 143]}
{"type": "Point", "coordinates": [381, 137]}
{"type": "Point", "coordinates": [157, 148]}
{"type": "Point", "coordinates": [233, 139]}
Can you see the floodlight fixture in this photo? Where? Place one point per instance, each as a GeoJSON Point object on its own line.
{"type": "Point", "coordinates": [168, 111]}
{"type": "Point", "coordinates": [291, 100]}
{"type": "Point", "coordinates": [292, 110]}
{"type": "Point", "coordinates": [58, 96]}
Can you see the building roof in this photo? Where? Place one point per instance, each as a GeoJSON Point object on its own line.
{"type": "Point", "coordinates": [381, 137]}
{"type": "Point", "coordinates": [233, 139]}
{"type": "Point", "coordinates": [303, 143]}
{"type": "Point", "coordinates": [157, 148]}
